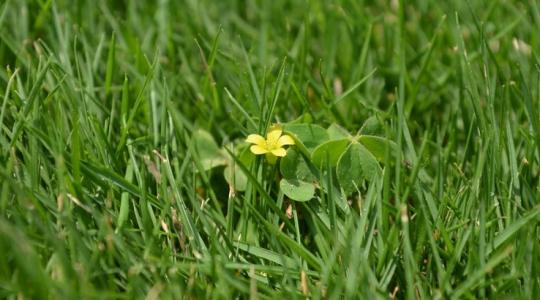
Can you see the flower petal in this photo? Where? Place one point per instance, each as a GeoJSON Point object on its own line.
{"type": "Point", "coordinates": [256, 139]}
{"type": "Point", "coordinates": [273, 135]}
{"type": "Point", "coordinates": [285, 140]}
{"type": "Point", "coordinates": [257, 150]}
{"type": "Point", "coordinates": [279, 152]}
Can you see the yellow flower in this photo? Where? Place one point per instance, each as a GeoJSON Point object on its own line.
{"type": "Point", "coordinates": [272, 146]}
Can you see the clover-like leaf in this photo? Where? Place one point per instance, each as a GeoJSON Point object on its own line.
{"type": "Point", "coordinates": [378, 146]}
{"type": "Point", "coordinates": [336, 132]}
{"type": "Point", "coordinates": [356, 165]}
{"type": "Point", "coordinates": [372, 126]}
{"type": "Point", "coordinates": [297, 190]}
{"type": "Point", "coordinates": [294, 166]}
{"type": "Point", "coordinates": [209, 153]}
{"type": "Point", "coordinates": [234, 175]}
{"type": "Point", "coordinates": [331, 150]}
{"type": "Point", "coordinates": [307, 136]}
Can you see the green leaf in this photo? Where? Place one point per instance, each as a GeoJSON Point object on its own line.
{"type": "Point", "coordinates": [307, 136]}
{"type": "Point", "coordinates": [505, 235]}
{"type": "Point", "coordinates": [332, 190]}
{"type": "Point", "coordinates": [336, 132]}
{"type": "Point", "coordinates": [110, 64]}
{"type": "Point", "coordinates": [99, 173]}
{"type": "Point", "coordinates": [209, 153]}
{"type": "Point", "coordinates": [24, 259]}
{"type": "Point", "coordinates": [354, 166]}
{"type": "Point", "coordinates": [124, 199]}
{"type": "Point", "coordinates": [297, 190]}
{"type": "Point", "coordinates": [377, 145]}
{"type": "Point", "coordinates": [331, 150]}
{"type": "Point", "coordinates": [294, 166]}
{"type": "Point", "coordinates": [278, 258]}
{"type": "Point", "coordinates": [233, 173]}
{"type": "Point", "coordinates": [235, 177]}
{"type": "Point", "coordinates": [295, 246]}
{"type": "Point", "coordinates": [372, 126]}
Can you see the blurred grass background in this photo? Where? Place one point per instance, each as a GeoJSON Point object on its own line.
{"type": "Point", "coordinates": [104, 196]}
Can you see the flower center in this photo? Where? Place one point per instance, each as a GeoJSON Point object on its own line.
{"type": "Point", "coordinates": [271, 145]}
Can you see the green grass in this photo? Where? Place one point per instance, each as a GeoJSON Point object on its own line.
{"type": "Point", "coordinates": [104, 193]}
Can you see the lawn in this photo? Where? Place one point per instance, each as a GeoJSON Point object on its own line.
{"type": "Point", "coordinates": [269, 149]}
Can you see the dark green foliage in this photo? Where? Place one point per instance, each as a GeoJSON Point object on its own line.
{"type": "Point", "coordinates": [124, 172]}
